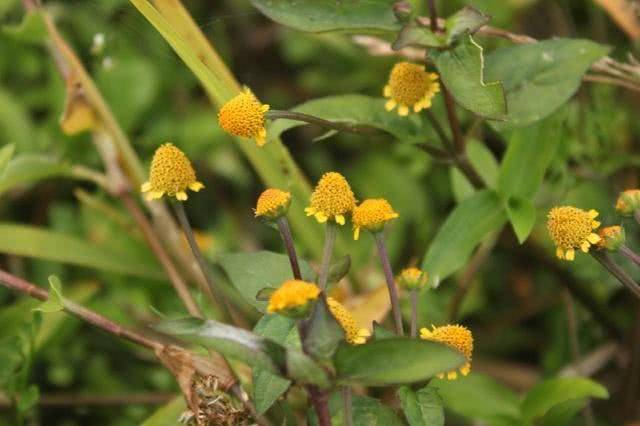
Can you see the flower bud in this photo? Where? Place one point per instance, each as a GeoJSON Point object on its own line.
{"type": "Point", "coordinates": [412, 279]}
{"type": "Point", "coordinates": [628, 202]}
{"type": "Point", "coordinates": [273, 204]}
{"type": "Point", "coordinates": [612, 238]}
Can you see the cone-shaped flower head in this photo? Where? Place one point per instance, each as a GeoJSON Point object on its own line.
{"type": "Point", "coordinates": [332, 199]}
{"type": "Point", "coordinates": [457, 337]}
{"type": "Point", "coordinates": [410, 87]}
{"type": "Point", "coordinates": [273, 203]}
{"type": "Point", "coordinates": [612, 238]}
{"type": "Point", "coordinates": [293, 299]}
{"type": "Point", "coordinates": [353, 334]}
{"type": "Point", "coordinates": [628, 202]}
{"type": "Point", "coordinates": [412, 278]}
{"type": "Point", "coordinates": [244, 116]}
{"type": "Point", "coordinates": [372, 214]}
{"type": "Point", "coordinates": [171, 174]}
{"type": "Point", "coordinates": [571, 228]}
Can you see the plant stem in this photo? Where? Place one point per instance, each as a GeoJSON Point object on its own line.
{"type": "Point", "coordinates": [320, 402]}
{"type": "Point", "coordinates": [630, 254]}
{"type": "Point", "coordinates": [615, 270]}
{"type": "Point", "coordinates": [329, 242]}
{"type": "Point", "coordinates": [454, 123]}
{"type": "Point", "coordinates": [347, 415]}
{"type": "Point", "coordinates": [210, 289]}
{"type": "Point", "coordinates": [275, 114]}
{"type": "Point", "coordinates": [391, 285]}
{"type": "Point", "coordinates": [414, 312]}
{"type": "Point", "coordinates": [636, 215]}
{"type": "Point", "coordinates": [433, 15]}
{"type": "Point", "coordinates": [285, 232]}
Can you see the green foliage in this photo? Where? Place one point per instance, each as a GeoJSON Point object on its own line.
{"type": "Point", "coordinates": [55, 302]}
{"type": "Point", "coordinates": [252, 272]}
{"type": "Point", "coordinates": [32, 29]}
{"type": "Point", "coordinates": [320, 16]}
{"type": "Point", "coordinates": [423, 407]}
{"type": "Point", "coordinates": [322, 333]}
{"type": "Point", "coordinates": [365, 411]}
{"type": "Point", "coordinates": [484, 161]}
{"type": "Point", "coordinates": [168, 414]}
{"type": "Point", "coordinates": [28, 169]}
{"type": "Point", "coordinates": [539, 77]}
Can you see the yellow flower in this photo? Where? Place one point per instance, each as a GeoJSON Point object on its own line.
{"type": "Point", "coordinates": [273, 203]}
{"type": "Point", "coordinates": [612, 238]}
{"type": "Point", "coordinates": [412, 278]}
{"type": "Point", "coordinates": [171, 174]}
{"type": "Point", "coordinates": [371, 215]}
{"type": "Point", "coordinates": [353, 334]}
{"type": "Point", "coordinates": [410, 87]}
{"type": "Point", "coordinates": [293, 298]}
{"type": "Point", "coordinates": [456, 337]}
{"type": "Point", "coordinates": [331, 199]}
{"type": "Point", "coordinates": [628, 202]}
{"type": "Point", "coordinates": [244, 116]}
{"type": "Point", "coordinates": [571, 228]}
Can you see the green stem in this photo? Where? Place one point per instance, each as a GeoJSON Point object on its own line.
{"type": "Point", "coordinates": [391, 285]}
{"type": "Point", "coordinates": [275, 114]}
{"type": "Point", "coordinates": [630, 254]}
{"type": "Point", "coordinates": [433, 16]}
{"type": "Point", "coordinates": [414, 312]}
{"type": "Point", "coordinates": [211, 289]}
{"type": "Point", "coordinates": [347, 412]}
{"type": "Point", "coordinates": [329, 243]}
{"type": "Point", "coordinates": [615, 270]}
{"type": "Point", "coordinates": [285, 232]}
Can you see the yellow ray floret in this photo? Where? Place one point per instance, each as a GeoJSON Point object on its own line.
{"type": "Point", "coordinates": [412, 278]}
{"type": "Point", "coordinates": [244, 116]}
{"type": "Point", "coordinates": [571, 228]}
{"type": "Point", "coordinates": [353, 334]}
{"type": "Point", "coordinates": [410, 88]}
{"type": "Point", "coordinates": [332, 199]}
{"type": "Point", "coordinates": [293, 295]}
{"type": "Point", "coordinates": [171, 174]}
{"type": "Point", "coordinates": [372, 214]}
{"type": "Point", "coordinates": [273, 203]}
{"type": "Point", "coordinates": [457, 337]}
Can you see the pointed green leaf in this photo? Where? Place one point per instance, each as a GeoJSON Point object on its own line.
{"type": "Point", "coordinates": [365, 411]}
{"type": "Point", "coordinates": [462, 72]}
{"type": "Point", "coordinates": [539, 77]}
{"type": "Point", "coordinates": [395, 360]}
{"type": "Point", "coordinates": [379, 332]}
{"type": "Point", "coordinates": [32, 29]}
{"type": "Point", "coordinates": [322, 332]}
{"type": "Point", "coordinates": [422, 408]}
{"type": "Point", "coordinates": [563, 413]}
{"type": "Point", "coordinates": [522, 215]}
{"type": "Point", "coordinates": [168, 414]}
{"type": "Point", "coordinates": [484, 162]}
{"type": "Point", "coordinates": [55, 302]}
{"type": "Point", "coordinates": [339, 269]}
{"type": "Point", "coordinates": [265, 294]}
{"type": "Point", "coordinates": [30, 168]}
{"type": "Point", "coordinates": [321, 16]}
{"type": "Point", "coordinates": [6, 152]}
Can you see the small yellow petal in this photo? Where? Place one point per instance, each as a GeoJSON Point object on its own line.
{"type": "Point", "coordinates": [196, 186]}
{"type": "Point", "coordinates": [593, 238]}
{"type": "Point", "coordinates": [265, 107]}
{"type": "Point", "coordinates": [391, 104]}
{"type": "Point", "coordinates": [356, 233]}
{"type": "Point", "coordinates": [560, 253]}
{"type": "Point", "coordinates": [386, 91]}
{"type": "Point", "coordinates": [146, 187]}
{"type": "Point", "coordinates": [593, 214]}
{"type": "Point", "coordinates": [595, 224]}
{"type": "Point", "coordinates": [340, 219]}
{"type": "Point", "coordinates": [156, 195]}
{"type": "Point", "coordinates": [452, 375]}
{"type": "Point", "coordinates": [570, 254]}
{"type": "Point", "coordinates": [321, 217]}
{"type": "Point", "coordinates": [585, 246]}
{"type": "Point", "coordinates": [403, 110]}
{"type": "Point", "coordinates": [310, 211]}
{"type": "Point", "coordinates": [182, 196]}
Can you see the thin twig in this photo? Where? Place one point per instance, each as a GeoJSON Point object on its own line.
{"type": "Point", "coordinates": [630, 254]}
{"type": "Point", "coordinates": [285, 232]}
{"type": "Point", "coordinates": [347, 415]}
{"type": "Point", "coordinates": [329, 242]}
{"type": "Point", "coordinates": [433, 15]}
{"type": "Point", "coordinates": [391, 285]}
{"type": "Point", "coordinates": [334, 125]}
{"type": "Point", "coordinates": [615, 270]}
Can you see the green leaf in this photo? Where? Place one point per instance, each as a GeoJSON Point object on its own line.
{"type": "Point", "coordinates": [6, 152]}
{"type": "Point", "coordinates": [461, 71]}
{"type": "Point", "coordinates": [483, 161]}
{"type": "Point", "coordinates": [321, 16]}
{"type": "Point", "coordinates": [395, 360]}
{"type": "Point", "coordinates": [322, 332]}
{"type": "Point", "coordinates": [465, 21]}
{"type": "Point", "coordinates": [251, 272]}
{"type": "Point", "coordinates": [267, 387]}
{"type": "Point", "coordinates": [360, 110]}
{"type": "Point", "coordinates": [548, 394]}
{"type": "Point", "coordinates": [522, 215]}
{"type": "Point", "coordinates": [31, 30]}
{"type": "Point", "coordinates": [379, 332]}
{"type": "Point", "coordinates": [562, 414]}
{"type": "Point", "coordinates": [365, 411]}
{"type": "Point", "coordinates": [168, 414]}
{"type": "Point", "coordinates": [479, 398]}
{"type": "Point", "coordinates": [30, 241]}
{"type": "Point", "coordinates": [422, 408]}
{"type": "Point", "coordinates": [55, 302]}
{"type": "Point", "coordinates": [539, 77]}
{"type": "Point", "coordinates": [469, 223]}
{"type": "Point", "coordinates": [30, 168]}
{"type": "Point", "coordinates": [28, 398]}
{"type": "Point", "coordinates": [265, 294]}
{"type": "Point", "coordinates": [339, 269]}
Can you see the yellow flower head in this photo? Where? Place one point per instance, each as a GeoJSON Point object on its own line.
{"type": "Point", "coordinates": [353, 334]}
{"type": "Point", "coordinates": [628, 202]}
{"type": "Point", "coordinates": [456, 337]}
{"type": "Point", "coordinates": [410, 87]}
{"type": "Point", "coordinates": [412, 278]}
{"type": "Point", "coordinates": [244, 116]}
{"type": "Point", "coordinates": [371, 215]}
{"type": "Point", "coordinates": [171, 174]}
{"type": "Point", "coordinates": [331, 199]}
{"type": "Point", "coordinates": [571, 228]}
{"type": "Point", "coordinates": [293, 298]}
{"type": "Point", "coordinates": [612, 238]}
{"type": "Point", "coordinates": [273, 203]}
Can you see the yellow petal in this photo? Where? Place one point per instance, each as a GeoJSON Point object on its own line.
{"type": "Point", "coordinates": [585, 246]}
{"type": "Point", "coordinates": [340, 219]}
{"type": "Point", "coordinates": [321, 217]}
{"type": "Point", "coordinates": [356, 233]}
{"type": "Point", "coordinates": [440, 375]}
{"type": "Point", "coordinates": [593, 214]}
{"type": "Point", "coordinates": [265, 107]}
{"type": "Point", "coordinates": [310, 211]}
{"type": "Point", "coordinates": [196, 186]}
{"type": "Point", "coordinates": [560, 253]}
{"type": "Point", "coordinates": [386, 92]}
{"type": "Point", "coordinates": [146, 187]}
{"type": "Point", "coordinates": [391, 104]}
{"type": "Point", "coordinates": [452, 375]}
{"type": "Point", "coordinates": [465, 369]}
{"type": "Point", "coordinates": [182, 196]}
{"type": "Point", "coordinates": [570, 254]}
{"type": "Point", "coordinates": [593, 238]}
{"type": "Point", "coordinates": [595, 224]}
{"type": "Point", "coordinates": [403, 110]}
{"type": "Point", "coordinates": [154, 195]}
